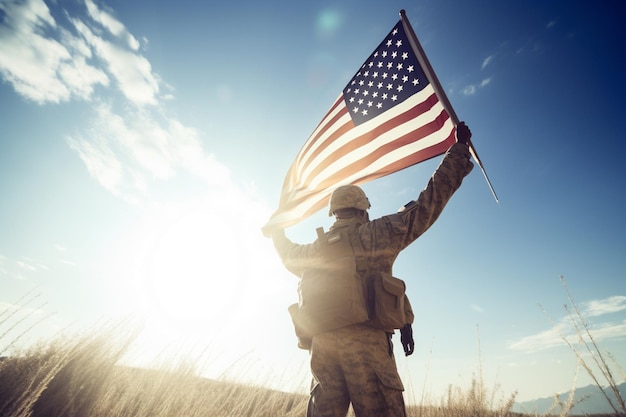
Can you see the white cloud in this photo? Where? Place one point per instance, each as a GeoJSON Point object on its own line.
{"type": "Point", "coordinates": [30, 265]}
{"type": "Point", "coordinates": [124, 153]}
{"type": "Point", "coordinates": [105, 19]}
{"type": "Point", "coordinates": [540, 341]}
{"type": "Point", "coordinates": [605, 306]}
{"type": "Point", "coordinates": [469, 90]}
{"type": "Point", "coordinates": [609, 330]}
{"type": "Point", "coordinates": [127, 150]}
{"type": "Point", "coordinates": [39, 68]}
{"type": "Point", "coordinates": [81, 78]}
{"type": "Point", "coordinates": [477, 308]}
{"type": "Point", "coordinates": [63, 65]}
{"type": "Point", "coordinates": [110, 23]}
{"type": "Point", "coordinates": [572, 330]}
{"type": "Point", "coordinates": [133, 72]}
{"type": "Point", "coordinates": [100, 160]}
{"type": "Point", "coordinates": [486, 62]}
{"type": "Point", "coordinates": [27, 59]}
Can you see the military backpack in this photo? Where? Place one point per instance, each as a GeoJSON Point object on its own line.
{"type": "Point", "coordinates": [342, 290]}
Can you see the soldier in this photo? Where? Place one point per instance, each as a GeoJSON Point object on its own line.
{"type": "Point", "coordinates": [355, 364]}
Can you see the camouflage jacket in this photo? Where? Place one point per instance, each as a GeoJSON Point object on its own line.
{"type": "Point", "coordinates": [385, 237]}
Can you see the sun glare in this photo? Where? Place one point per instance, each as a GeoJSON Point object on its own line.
{"type": "Point", "coordinates": [192, 268]}
{"type": "Point", "coordinates": [207, 286]}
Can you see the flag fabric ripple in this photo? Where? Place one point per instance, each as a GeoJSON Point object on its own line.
{"type": "Point", "coordinates": [388, 117]}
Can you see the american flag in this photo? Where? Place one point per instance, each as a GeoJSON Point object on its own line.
{"type": "Point", "coordinates": [388, 117]}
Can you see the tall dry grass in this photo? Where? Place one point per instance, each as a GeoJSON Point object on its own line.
{"type": "Point", "coordinates": [476, 400]}
{"type": "Point", "coordinates": [81, 376]}
{"type": "Point", "coordinates": [590, 357]}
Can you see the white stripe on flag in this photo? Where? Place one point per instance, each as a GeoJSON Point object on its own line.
{"type": "Point", "coordinates": [331, 167]}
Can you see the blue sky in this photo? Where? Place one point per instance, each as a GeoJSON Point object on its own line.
{"type": "Point", "coordinates": [144, 144]}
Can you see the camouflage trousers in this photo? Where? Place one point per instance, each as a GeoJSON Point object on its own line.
{"type": "Point", "coordinates": [355, 365]}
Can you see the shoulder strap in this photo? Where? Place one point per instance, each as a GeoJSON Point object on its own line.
{"type": "Point", "coordinates": [357, 248]}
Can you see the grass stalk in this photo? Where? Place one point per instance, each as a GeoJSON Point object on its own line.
{"type": "Point", "coordinates": [592, 348]}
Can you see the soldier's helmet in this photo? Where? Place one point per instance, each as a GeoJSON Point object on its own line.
{"type": "Point", "coordinates": [348, 196]}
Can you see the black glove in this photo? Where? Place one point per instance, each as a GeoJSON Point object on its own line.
{"type": "Point", "coordinates": [406, 337]}
{"type": "Point", "coordinates": [463, 133]}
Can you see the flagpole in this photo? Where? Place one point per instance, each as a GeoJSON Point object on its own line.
{"type": "Point", "coordinates": [430, 73]}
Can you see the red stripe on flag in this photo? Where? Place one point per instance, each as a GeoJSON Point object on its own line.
{"type": "Point", "coordinates": [371, 135]}
{"type": "Point", "coordinates": [404, 140]}
{"type": "Point", "coordinates": [363, 163]}
{"type": "Point", "coordinates": [321, 129]}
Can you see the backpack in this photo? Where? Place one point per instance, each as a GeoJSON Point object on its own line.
{"type": "Point", "coordinates": [342, 290]}
{"type": "Point", "coordinates": [331, 295]}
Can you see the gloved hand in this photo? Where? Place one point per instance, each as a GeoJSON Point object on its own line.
{"type": "Point", "coordinates": [406, 337]}
{"type": "Point", "coordinates": [463, 133]}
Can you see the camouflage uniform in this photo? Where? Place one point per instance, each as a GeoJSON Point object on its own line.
{"type": "Point", "coordinates": [355, 364]}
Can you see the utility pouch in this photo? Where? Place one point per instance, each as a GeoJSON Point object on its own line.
{"type": "Point", "coordinates": [304, 338]}
{"type": "Point", "coordinates": [386, 301]}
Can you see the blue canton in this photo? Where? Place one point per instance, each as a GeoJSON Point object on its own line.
{"type": "Point", "coordinates": [388, 77]}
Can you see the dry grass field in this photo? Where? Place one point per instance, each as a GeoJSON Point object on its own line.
{"type": "Point", "coordinates": [82, 377]}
